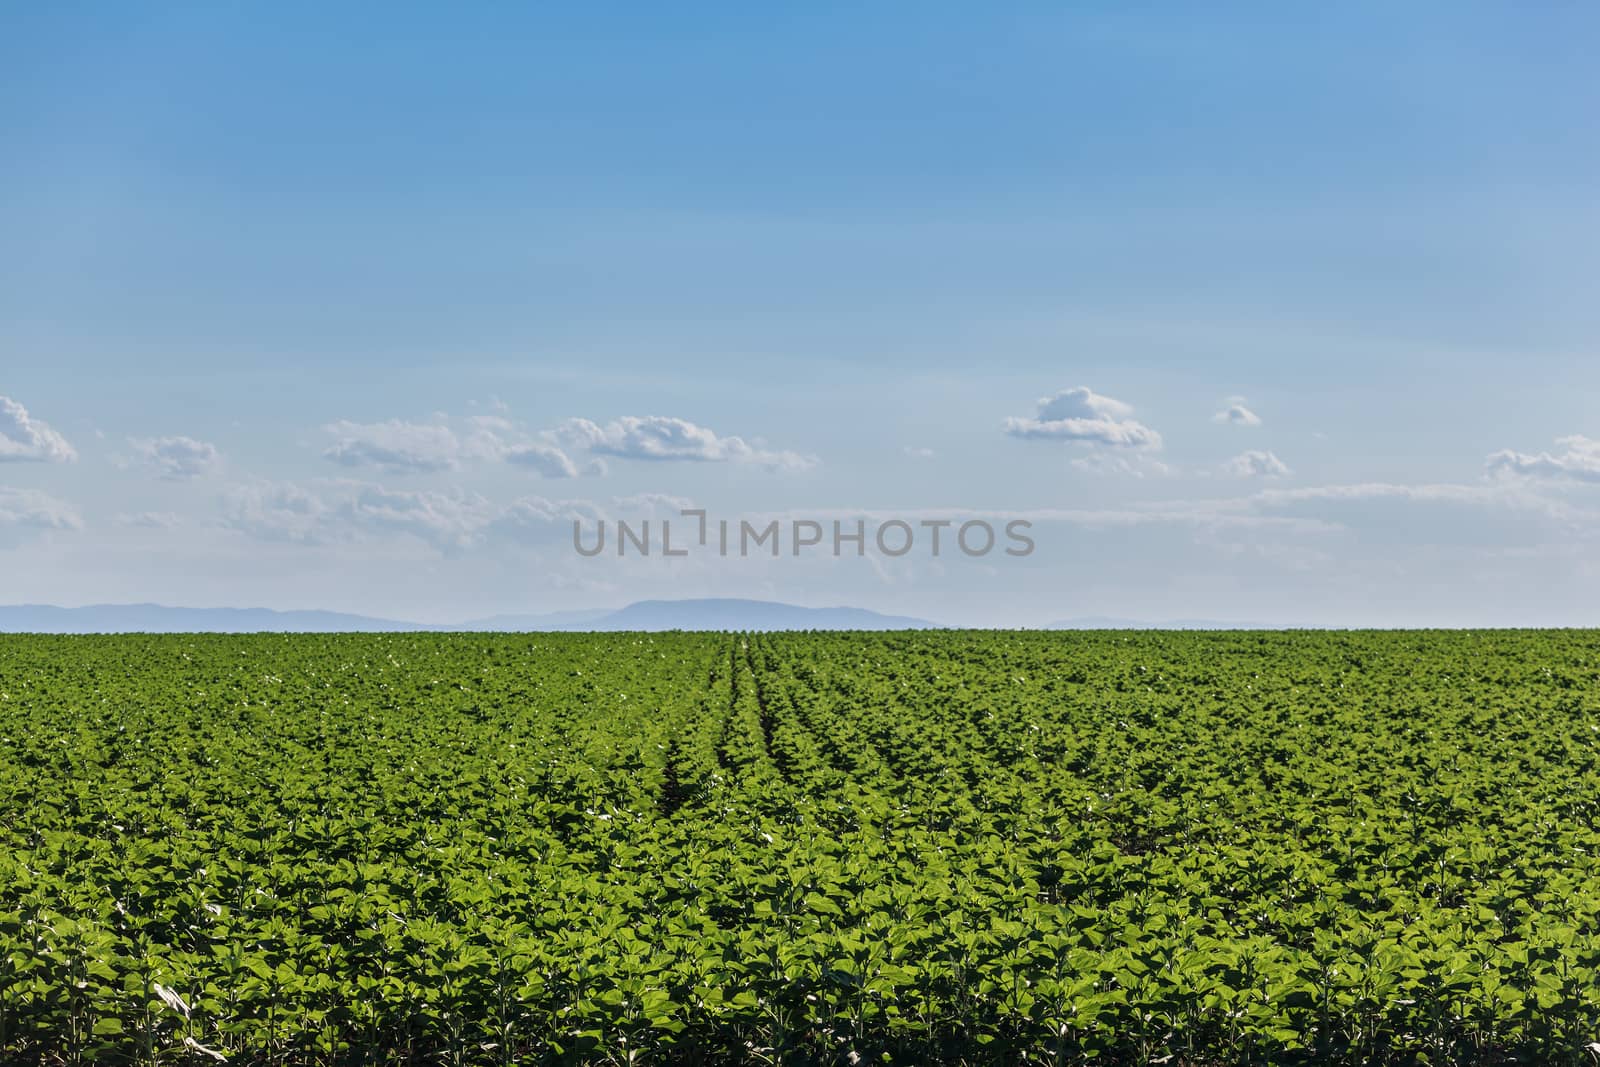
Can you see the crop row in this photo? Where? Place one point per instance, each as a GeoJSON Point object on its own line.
{"type": "Point", "coordinates": [807, 848]}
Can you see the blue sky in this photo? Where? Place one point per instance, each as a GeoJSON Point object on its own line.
{"type": "Point", "coordinates": [298, 306]}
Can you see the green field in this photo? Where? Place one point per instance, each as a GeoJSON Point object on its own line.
{"type": "Point", "coordinates": [803, 848]}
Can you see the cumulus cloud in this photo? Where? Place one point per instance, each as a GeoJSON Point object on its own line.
{"type": "Point", "coordinates": [395, 446]}
{"type": "Point", "coordinates": [1083, 415]}
{"type": "Point", "coordinates": [1256, 464]}
{"type": "Point", "coordinates": [25, 439]}
{"type": "Point", "coordinates": [30, 509]}
{"type": "Point", "coordinates": [400, 447]}
{"type": "Point", "coordinates": [548, 460]}
{"type": "Point", "coordinates": [1578, 460]}
{"type": "Point", "coordinates": [488, 436]}
{"type": "Point", "coordinates": [1236, 414]}
{"type": "Point", "coordinates": [660, 437]}
{"type": "Point", "coordinates": [177, 459]}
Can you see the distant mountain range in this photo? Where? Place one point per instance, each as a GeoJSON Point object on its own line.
{"type": "Point", "coordinates": [705, 614]}
{"type": "Point", "coordinates": [713, 614]}
{"type": "Point", "coordinates": [157, 618]}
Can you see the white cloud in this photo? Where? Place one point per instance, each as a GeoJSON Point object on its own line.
{"type": "Point", "coordinates": [447, 520]}
{"type": "Point", "coordinates": [1428, 491]}
{"type": "Point", "coordinates": [1209, 514]}
{"type": "Point", "coordinates": [1083, 415]}
{"type": "Point", "coordinates": [1508, 499]}
{"type": "Point", "coordinates": [1236, 414]}
{"type": "Point", "coordinates": [651, 504]}
{"type": "Point", "coordinates": [343, 512]}
{"type": "Point", "coordinates": [275, 512]}
{"type": "Point", "coordinates": [918, 453]}
{"type": "Point", "coordinates": [1579, 461]}
{"type": "Point", "coordinates": [536, 519]}
{"type": "Point", "coordinates": [1124, 464]}
{"type": "Point", "coordinates": [177, 458]}
{"type": "Point", "coordinates": [400, 447]}
{"type": "Point", "coordinates": [1256, 464]}
{"type": "Point", "coordinates": [34, 510]}
{"type": "Point", "coordinates": [1425, 493]}
{"type": "Point", "coordinates": [396, 446]}
{"type": "Point", "coordinates": [26, 439]}
{"type": "Point", "coordinates": [150, 520]}
{"type": "Point", "coordinates": [493, 403]}
{"type": "Point", "coordinates": [488, 436]}
{"type": "Point", "coordinates": [660, 437]}
{"type": "Point", "coordinates": [548, 460]}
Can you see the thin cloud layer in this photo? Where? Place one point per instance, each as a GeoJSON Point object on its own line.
{"type": "Point", "coordinates": [275, 511]}
{"type": "Point", "coordinates": [24, 439]}
{"type": "Point", "coordinates": [1123, 464]}
{"type": "Point", "coordinates": [400, 447]}
{"type": "Point", "coordinates": [395, 446]}
{"type": "Point", "coordinates": [343, 511]}
{"type": "Point", "coordinates": [149, 520]}
{"type": "Point", "coordinates": [533, 520]}
{"type": "Point", "coordinates": [451, 521]}
{"type": "Point", "coordinates": [663, 438]}
{"type": "Point", "coordinates": [1579, 461]}
{"type": "Point", "coordinates": [31, 509]}
{"type": "Point", "coordinates": [447, 520]}
{"type": "Point", "coordinates": [1083, 415]}
{"type": "Point", "coordinates": [177, 459]}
